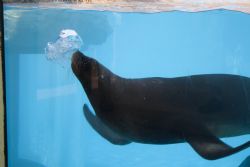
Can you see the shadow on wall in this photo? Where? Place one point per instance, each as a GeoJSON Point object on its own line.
{"type": "Point", "coordinates": [41, 26]}
{"type": "Point", "coordinates": [28, 33]}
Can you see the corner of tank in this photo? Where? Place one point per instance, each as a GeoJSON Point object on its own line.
{"type": "Point", "coordinates": [3, 131]}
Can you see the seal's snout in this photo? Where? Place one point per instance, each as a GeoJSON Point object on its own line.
{"type": "Point", "coordinates": [76, 60]}
{"type": "Point", "coordinates": [80, 63]}
{"type": "Point", "coordinates": [76, 57]}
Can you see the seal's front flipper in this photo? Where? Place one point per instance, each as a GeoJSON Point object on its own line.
{"type": "Point", "coordinates": [102, 129]}
{"type": "Point", "coordinates": [209, 146]}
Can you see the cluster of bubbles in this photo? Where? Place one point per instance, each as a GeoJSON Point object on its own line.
{"type": "Point", "coordinates": [62, 49]}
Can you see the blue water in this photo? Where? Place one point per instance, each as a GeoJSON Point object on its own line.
{"type": "Point", "coordinates": [46, 127]}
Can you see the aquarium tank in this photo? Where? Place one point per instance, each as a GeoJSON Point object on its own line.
{"type": "Point", "coordinates": [127, 83]}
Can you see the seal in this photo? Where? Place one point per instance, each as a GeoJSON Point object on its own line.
{"type": "Point", "coordinates": [197, 109]}
{"type": "Point", "coordinates": [246, 162]}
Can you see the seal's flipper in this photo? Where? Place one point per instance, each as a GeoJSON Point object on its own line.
{"type": "Point", "coordinates": [246, 162]}
{"type": "Point", "coordinates": [209, 146]}
{"type": "Point", "coordinates": [102, 129]}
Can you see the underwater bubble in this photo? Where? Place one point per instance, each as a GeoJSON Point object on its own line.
{"type": "Point", "coordinates": [62, 49]}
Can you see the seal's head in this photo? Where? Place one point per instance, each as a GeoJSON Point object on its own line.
{"type": "Point", "coordinates": [86, 70]}
{"type": "Point", "coordinates": [81, 64]}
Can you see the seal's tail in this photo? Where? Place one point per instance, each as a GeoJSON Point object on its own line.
{"type": "Point", "coordinates": [209, 146]}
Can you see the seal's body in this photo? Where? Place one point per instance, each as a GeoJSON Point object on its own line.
{"type": "Point", "coordinates": [195, 109]}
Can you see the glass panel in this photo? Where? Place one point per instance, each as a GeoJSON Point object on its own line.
{"type": "Point", "coordinates": [178, 79]}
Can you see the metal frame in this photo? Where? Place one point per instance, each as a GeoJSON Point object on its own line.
{"type": "Point", "coordinates": [3, 86]}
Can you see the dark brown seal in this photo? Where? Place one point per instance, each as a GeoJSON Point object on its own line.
{"type": "Point", "coordinates": [197, 109]}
